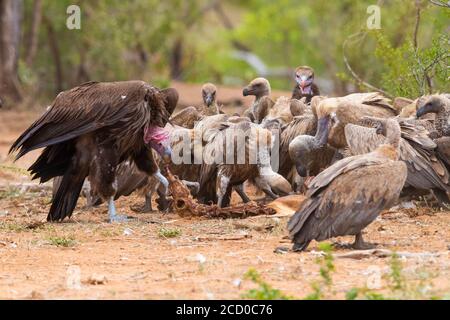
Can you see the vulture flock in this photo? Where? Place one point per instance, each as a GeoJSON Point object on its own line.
{"type": "Point", "coordinates": [351, 156]}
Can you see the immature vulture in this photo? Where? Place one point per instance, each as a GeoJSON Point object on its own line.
{"type": "Point", "coordinates": [89, 130]}
{"type": "Point", "coordinates": [425, 170]}
{"type": "Point", "coordinates": [260, 88]}
{"type": "Point", "coordinates": [305, 86]}
{"type": "Point", "coordinates": [236, 153]}
{"type": "Point", "coordinates": [347, 196]}
{"type": "Point", "coordinates": [190, 115]}
{"type": "Point", "coordinates": [349, 109]}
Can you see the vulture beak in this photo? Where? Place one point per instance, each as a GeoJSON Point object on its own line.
{"type": "Point", "coordinates": [423, 110]}
{"type": "Point", "coordinates": [246, 92]}
{"type": "Point", "coordinates": [209, 99]}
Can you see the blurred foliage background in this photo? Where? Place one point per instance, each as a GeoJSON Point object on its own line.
{"type": "Point", "coordinates": [230, 42]}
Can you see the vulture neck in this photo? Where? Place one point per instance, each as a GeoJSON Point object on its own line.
{"type": "Point", "coordinates": [390, 149]}
{"type": "Point", "coordinates": [441, 123]}
{"type": "Point", "coordinates": [211, 109]}
{"type": "Point", "coordinates": [323, 128]}
{"type": "Point", "coordinates": [263, 94]}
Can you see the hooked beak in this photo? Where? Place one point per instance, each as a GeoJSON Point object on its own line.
{"type": "Point", "coordinates": [246, 92]}
{"type": "Point", "coordinates": [208, 99]}
{"type": "Point", "coordinates": [421, 111]}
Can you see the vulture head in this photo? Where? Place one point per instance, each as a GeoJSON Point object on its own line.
{"type": "Point", "coordinates": [435, 104]}
{"type": "Point", "coordinates": [304, 76]}
{"type": "Point", "coordinates": [209, 94]}
{"type": "Point", "coordinates": [387, 127]}
{"type": "Point", "coordinates": [159, 139]}
{"type": "Point", "coordinates": [301, 150]}
{"type": "Point", "coordinates": [156, 137]}
{"type": "Point", "coordinates": [258, 87]}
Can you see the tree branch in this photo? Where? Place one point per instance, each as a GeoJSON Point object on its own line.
{"type": "Point", "coordinates": [353, 73]}
{"type": "Point", "coordinates": [440, 3]}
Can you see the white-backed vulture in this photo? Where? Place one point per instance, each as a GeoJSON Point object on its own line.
{"type": "Point", "coordinates": [236, 153]}
{"type": "Point", "coordinates": [260, 88]}
{"type": "Point", "coordinates": [189, 116]}
{"type": "Point", "coordinates": [88, 131]}
{"type": "Point", "coordinates": [425, 170]}
{"type": "Point", "coordinates": [305, 86]}
{"type": "Point", "coordinates": [350, 109]}
{"type": "Point", "coordinates": [347, 196]}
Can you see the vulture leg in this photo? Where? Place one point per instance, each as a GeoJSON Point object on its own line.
{"type": "Point", "coordinates": [359, 243]}
{"type": "Point", "coordinates": [222, 190]}
{"type": "Point", "coordinates": [103, 178]}
{"type": "Point", "coordinates": [113, 216]}
{"type": "Point", "coordinates": [441, 197]}
{"type": "Point", "coordinates": [241, 192]}
{"type": "Point", "coordinates": [147, 207]}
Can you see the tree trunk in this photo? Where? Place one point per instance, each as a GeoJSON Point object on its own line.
{"type": "Point", "coordinates": [54, 49]}
{"type": "Point", "coordinates": [10, 21]}
{"type": "Point", "coordinates": [32, 39]}
{"type": "Point", "coordinates": [176, 59]}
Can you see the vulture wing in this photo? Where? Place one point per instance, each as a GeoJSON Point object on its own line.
{"type": "Point", "coordinates": [425, 171]}
{"type": "Point", "coordinates": [92, 106]}
{"type": "Point", "coordinates": [350, 202]}
{"type": "Point", "coordinates": [301, 125]}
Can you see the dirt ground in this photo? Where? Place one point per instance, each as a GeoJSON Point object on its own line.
{"type": "Point", "coordinates": [88, 258]}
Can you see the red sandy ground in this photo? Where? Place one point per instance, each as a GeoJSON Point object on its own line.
{"type": "Point", "coordinates": [202, 262]}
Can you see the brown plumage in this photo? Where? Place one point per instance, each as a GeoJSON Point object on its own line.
{"type": "Point", "coordinates": [189, 116]}
{"type": "Point", "coordinates": [439, 105]}
{"type": "Point", "coordinates": [305, 86]}
{"type": "Point", "coordinates": [347, 196]}
{"type": "Point", "coordinates": [425, 170]}
{"type": "Point", "coordinates": [281, 111]}
{"type": "Point", "coordinates": [350, 109]}
{"type": "Point", "coordinates": [260, 88]}
{"type": "Point", "coordinates": [248, 159]}
{"type": "Point", "coordinates": [301, 125]}
{"type": "Point", "coordinates": [89, 130]}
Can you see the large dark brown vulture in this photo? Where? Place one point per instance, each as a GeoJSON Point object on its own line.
{"type": "Point", "coordinates": [305, 86]}
{"type": "Point", "coordinates": [349, 109]}
{"type": "Point", "coordinates": [235, 153]}
{"type": "Point", "coordinates": [189, 116]}
{"type": "Point", "coordinates": [89, 130]}
{"type": "Point", "coordinates": [347, 196]}
{"type": "Point", "coordinates": [425, 170]}
{"type": "Point", "coordinates": [260, 88]}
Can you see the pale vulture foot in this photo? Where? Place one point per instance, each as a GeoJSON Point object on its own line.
{"type": "Point", "coordinates": [146, 208]}
{"type": "Point", "coordinates": [113, 216]}
{"type": "Point", "coordinates": [359, 243]}
{"type": "Point", "coordinates": [222, 189]}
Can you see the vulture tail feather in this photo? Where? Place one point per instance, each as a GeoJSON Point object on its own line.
{"type": "Point", "coordinates": [67, 195]}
